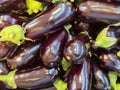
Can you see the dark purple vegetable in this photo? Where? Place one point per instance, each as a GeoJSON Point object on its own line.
{"type": "Point", "coordinates": [75, 50]}
{"type": "Point", "coordinates": [101, 11]}
{"type": "Point", "coordinates": [52, 49]}
{"type": "Point", "coordinates": [100, 78]}
{"type": "Point", "coordinates": [80, 76]}
{"type": "Point", "coordinates": [25, 54]}
{"type": "Point", "coordinates": [7, 49]}
{"type": "Point", "coordinates": [10, 19]}
{"type": "Point", "coordinates": [14, 6]}
{"type": "Point", "coordinates": [37, 77]}
{"type": "Point", "coordinates": [110, 61]}
{"type": "Point", "coordinates": [47, 23]}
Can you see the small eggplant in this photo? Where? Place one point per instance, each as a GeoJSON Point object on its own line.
{"type": "Point", "coordinates": [7, 49]}
{"type": "Point", "coordinates": [36, 77]}
{"type": "Point", "coordinates": [100, 78]}
{"type": "Point", "coordinates": [99, 11]}
{"type": "Point", "coordinates": [75, 50]}
{"type": "Point", "coordinates": [52, 49]}
{"type": "Point", "coordinates": [10, 19]}
{"type": "Point", "coordinates": [15, 6]}
{"type": "Point", "coordinates": [110, 61]}
{"type": "Point", "coordinates": [80, 76]}
{"type": "Point", "coordinates": [24, 55]}
{"type": "Point", "coordinates": [48, 22]}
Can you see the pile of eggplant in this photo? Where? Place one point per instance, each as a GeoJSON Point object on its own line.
{"type": "Point", "coordinates": [60, 44]}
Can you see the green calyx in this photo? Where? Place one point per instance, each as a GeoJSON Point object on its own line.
{"type": "Point", "coordinates": [13, 33]}
{"type": "Point", "coordinates": [65, 64]}
{"type": "Point", "coordinates": [103, 41]}
{"type": "Point", "coordinates": [60, 85]}
{"type": "Point", "coordinates": [9, 78]}
{"type": "Point", "coordinates": [34, 6]}
{"type": "Point", "coordinates": [118, 53]}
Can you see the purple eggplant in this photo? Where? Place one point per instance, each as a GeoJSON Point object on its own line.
{"type": "Point", "coordinates": [99, 11]}
{"type": "Point", "coordinates": [7, 49]}
{"type": "Point", "coordinates": [14, 6]}
{"type": "Point", "coordinates": [37, 77]}
{"type": "Point", "coordinates": [100, 78]}
{"type": "Point", "coordinates": [75, 50]}
{"type": "Point", "coordinates": [48, 22]}
{"type": "Point", "coordinates": [25, 54]}
{"type": "Point", "coordinates": [10, 19]}
{"type": "Point", "coordinates": [80, 76]}
{"type": "Point", "coordinates": [52, 49]}
{"type": "Point", "coordinates": [110, 61]}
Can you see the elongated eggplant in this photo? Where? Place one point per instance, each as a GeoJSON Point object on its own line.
{"type": "Point", "coordinates": [10, 19]}
{"type": "Point", "coordinates": [75, 50]}
{"type": "Point", "coordinates": [25, 54]}
{"type": "Point", "coordinates": [80, 77]}
{"type": "Point", "coordinates": [7, 49]}
{"type": "Point", "coordinates": [99, 11]}
{"type": "Point", "coordinates": [15, 6]}
{"type": "Point", "coordinates": [100, 78]}
{"type": "Point", "coordinates": [37, 77]}
{"type": "Point", "coordinates": [52, 49]}
{"type": "Point", "coordinates": [110, 61]}
{"type": "Point", "coordinates": [47, 23]}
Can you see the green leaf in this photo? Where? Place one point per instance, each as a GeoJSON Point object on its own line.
{"type": "Point", "coordinates": [113, 79]}
{"type": "Point", "coordinates": [60, 85]}
{"type": "Point", "coordinates": [34, 6]}
{"type": "Point", "coordinates": [118, 86]}
{"type": "Point", "coordinates": [9, 78]}
{"type": "Point", "coordinates": [103, 41]}
{"type": "Point", "coordinates": [65, 64]}
{"type": "Point", "coordinates": [13, 33]}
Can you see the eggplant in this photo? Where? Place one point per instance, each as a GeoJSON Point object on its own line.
{"type": "Point", "coordinates": [100, 78]}
{"type": "Point", "coordinates": [99, 11]}
{"type": "Point", "coordinates": [25, 54]}
{"type": "Point", "coordinates": [13, 6]}
{"type": "Point", "coordinates": [80, 76]}
{"type": "Point", "coordinates": [7, 49]}
{"type": "Point", "coordinates": [10, 19]}
{"type": "Point", "coordinates": [52, 49]}
{"type": "Point", "coordinates": [36, 77]}
{"type": "Point", "coordinates": [53, 18]}
{"type": "Point", "coordinates": [110, 61]}
{"type": "Point", "coordinates": [75, 50]}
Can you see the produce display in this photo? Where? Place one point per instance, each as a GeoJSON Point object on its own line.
{"type": "Point", "coordinates": [59, 44]}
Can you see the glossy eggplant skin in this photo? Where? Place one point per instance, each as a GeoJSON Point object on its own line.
{"type": "Point", "coordinates": [7, 49]}
{"type": "Point", "coordinates": [111, 13]}
{"type": "Point", "coordinates": [100, 78]}
{"type": "Point", "coordinates": [80, 76]}
{"type": "Point", "coordinates": [36, 77]}
{"type": "Point", "coordinates": [10, 19]}
{"type": "Point", "coordinates": [13, 6]}
{"type": "Point", "coordinates": [52, 49]}
{"type": "Point", "coordinates": [47, 23]}
{"type": "Point", "coordinates": [110, 62]}
{"type": "Point", "coordinates": [25, 54]}
{"type": "Point", "coordinates": [75, 49]}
